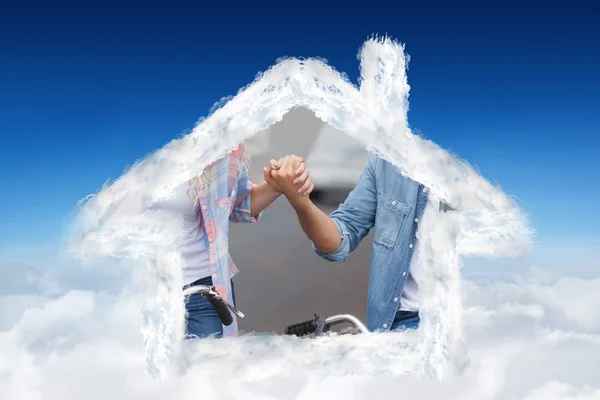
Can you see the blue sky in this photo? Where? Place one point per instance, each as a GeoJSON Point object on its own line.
{"type": "Point", "coordinates": [85, 92]}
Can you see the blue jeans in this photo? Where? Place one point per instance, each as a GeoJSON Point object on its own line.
{"type": "Point", "coordinates": [405, 320]}
{"type": "Point", "coordinates": [202, 319]}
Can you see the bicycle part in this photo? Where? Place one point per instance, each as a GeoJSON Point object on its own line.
{"type": "Point", "coordinates": [341, 318]}
{"type": "Point", "coordinates": [315, 325]}
{"type": "Point", "coordinates": [319, 325]}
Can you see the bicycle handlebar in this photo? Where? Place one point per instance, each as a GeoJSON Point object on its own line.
{"type": "Point", "coordinates": [341, 318]}
{"type": "Point", "coordinates": [306, 327]}
{"type": "Point", "coordinates": [221, 307]}
{"type": "Point", "coordinates": [318, 325]}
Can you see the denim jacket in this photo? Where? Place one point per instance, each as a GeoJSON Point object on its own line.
{"type": "Point", "coordinates": [392, 204]}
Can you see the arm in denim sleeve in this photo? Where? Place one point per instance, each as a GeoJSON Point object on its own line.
{"type": "Point", "coordinates": [241, 210]}
{"type": "Point", "coordinates": [356, 216]}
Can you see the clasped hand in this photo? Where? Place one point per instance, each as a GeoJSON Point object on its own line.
{"type": "Point", "coordinates": [290, 176]}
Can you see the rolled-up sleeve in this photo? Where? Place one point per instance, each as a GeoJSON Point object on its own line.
{"type": "Point", "coordinates": [342, 252]}
{"type": "Point", "coordinates": [241, 210]}
{"type": "Point", "coordinates": [356, 216]}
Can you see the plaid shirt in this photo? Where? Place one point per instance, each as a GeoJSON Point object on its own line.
{"type": "Point", "coordinates": [225, 197]}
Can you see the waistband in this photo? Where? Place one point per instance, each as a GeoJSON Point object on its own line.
{"type": "Point", "coordinates": [202, 281]}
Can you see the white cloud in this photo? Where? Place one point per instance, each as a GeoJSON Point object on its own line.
{"type": "Point", "coordinates": [561, 391]}
{"type": "Point", "coordinates": [524, 343]}
{"type": "Point", "coordinates": [567, 303]}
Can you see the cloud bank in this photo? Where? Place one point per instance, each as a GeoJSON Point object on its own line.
{"type": "Point", "coordinates": [527, 340]}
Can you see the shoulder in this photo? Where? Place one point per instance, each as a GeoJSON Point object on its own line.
{"type": "Point", "coordinates": [375, 163]}
{"type": "Point", "coordinates": [372, 158]}
{"type": "Point", "coordinates": [383, 169]}
{"type": "Point", "coordinates": [241, 154]}
{"type": "Point", "coordinates": [239, 150]}
{"type": "Point", "coordinates": [380, 164]}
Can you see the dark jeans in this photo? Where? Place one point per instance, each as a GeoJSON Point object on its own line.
{"type": "Point", "coordinates": [405, 320]}
{"type": "Point", "coordinates": [202, 319]}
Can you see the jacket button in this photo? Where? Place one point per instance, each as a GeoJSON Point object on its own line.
{"type": "Point", "coordinates": [385, 325]}
{"type": "Point", "coordinates": [396, 299]}
{"type": "Point", "coordinates": [393, 202]}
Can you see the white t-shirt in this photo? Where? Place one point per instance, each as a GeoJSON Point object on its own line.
{"type": "Point", "coordinates": [410, 300]}
{"type": "Point", "coordinates": [194, 253]}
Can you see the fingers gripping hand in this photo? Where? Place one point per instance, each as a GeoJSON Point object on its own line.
{"type": "Point", "coordinates": [267, 173]}
{"type": "Point", "coordinates": [304, 180]}
{"type": "Point", "coordinates": [291, 175]}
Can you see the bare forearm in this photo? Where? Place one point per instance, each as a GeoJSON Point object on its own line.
{"type": "Point", "coordinates": [261, 197]}
{"type": "Point", "coordinates": [317, 225]}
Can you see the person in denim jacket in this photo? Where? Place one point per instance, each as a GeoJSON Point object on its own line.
{"type": "Point", "coordinates": [383, 200]}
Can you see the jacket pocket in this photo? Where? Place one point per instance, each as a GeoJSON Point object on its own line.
{"type": "Point", "coordinates": [224, 208]}
{"type": "Point", "coordinates": [225, 204]}
{"type": "Point", "coordinates": [389, 220]}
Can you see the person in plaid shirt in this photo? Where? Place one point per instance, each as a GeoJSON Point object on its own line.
{"type": "Point", "coordinates": [221, 194]}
